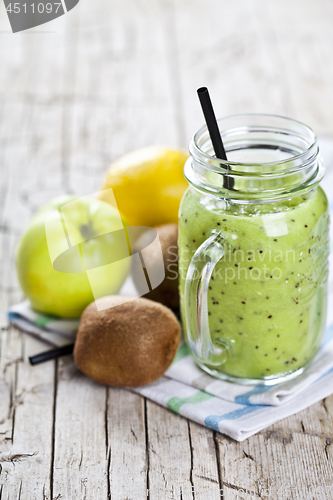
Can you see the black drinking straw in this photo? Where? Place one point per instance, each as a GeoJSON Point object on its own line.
{"type": "Point", "coordinates": [51, 354]}
{"type": "Point", "coordinates": [214, 132]}
{"type": "Point", "coordinates": [211, 122]}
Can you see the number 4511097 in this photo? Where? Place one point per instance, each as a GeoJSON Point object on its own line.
{"type": "Point", "coordinates": [40, 8]}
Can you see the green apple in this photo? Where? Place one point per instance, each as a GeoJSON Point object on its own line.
{"type": "Point", "coordinates": [74, 251]}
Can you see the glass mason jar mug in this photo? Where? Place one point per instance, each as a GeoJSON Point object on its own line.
{"type": "Point", "coordinates": [253, 250]}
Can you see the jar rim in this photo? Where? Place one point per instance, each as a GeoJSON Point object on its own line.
{"type": "Point", "coordinates": [202, 156]}
{"type": "Point", "coordinates": [301, 170]}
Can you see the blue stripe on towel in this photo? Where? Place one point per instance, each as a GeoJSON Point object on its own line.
{"type": "Point", "coordinates": [325, 374]}
{"type": "Point", "coordinates": [244, 399]}
{"type": "Point", "coordinates": [12, 315]}
{"type": "Point", "coordinates": [328, 335]}
{"type": "Point", "coordinates": [213, 420]}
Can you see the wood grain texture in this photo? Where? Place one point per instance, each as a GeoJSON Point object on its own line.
{"type": "Point", "coordinates": [205, 472]}
{"type": "Point", "coordinates": [74, 95]}
{"type": "Point", "coordinates": [126, 441]}
{"type": "Point", "coordinates": [170, 457]}
{"type": "Point", "coordinates": [26, 456]}
{"type": "Point", "coordinates": [79, 466]}
{"type": "Point", "coordinates": [276, 463]}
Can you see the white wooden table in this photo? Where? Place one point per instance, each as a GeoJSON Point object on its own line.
{"type": "Point", "coordinates": [111, 76]}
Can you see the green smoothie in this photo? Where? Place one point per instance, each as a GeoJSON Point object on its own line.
{"type": "Point", "coordinates": [267, 295]}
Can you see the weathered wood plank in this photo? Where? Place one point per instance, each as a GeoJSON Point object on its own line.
{"type": "Point", "coordinates": [127, 434]}
{"type": "Point", "coordinates": [32, 435]}
{"type": "Point", "coordinates": [169, 449]}
{"type": "Point", "coordinates": [282, 461]}
{"type": "Point", "coordinates": [80, 463]}
{"type": "Point", "coordinates": [27, 447]}
{"type": "Point", "coordinates": [123, 98]}
{"type": "Point", "coordinates": [319, 420]}
{"type": "Point", "coordinates": [304, 56]}
{"type": "Point", "coordinates": [205, 477]}
{"type": "Point", "coordinates": [10, 292]}
{"type": "Point", "coordinates": [46, 78]}
{"type": "Point", "coordinates": [254, 59]}
{"type": "Point", "coordinates": [232, 53]}
{"type": "Point", "coordinates": [10, 357]}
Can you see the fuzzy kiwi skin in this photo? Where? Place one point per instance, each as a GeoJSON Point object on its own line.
{"type": "Point", "coordinates": [167, 292]}
{"type": "Point", "coordinates": [127, 344]}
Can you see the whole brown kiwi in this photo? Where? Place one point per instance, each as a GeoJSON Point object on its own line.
{"type": "Point", "coordinates": [167, 292]}
{"type": "Point", "coordinates": [126, 343]}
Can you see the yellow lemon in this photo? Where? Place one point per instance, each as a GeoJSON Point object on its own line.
{"type": "Point", "coordinates": [147, 184]}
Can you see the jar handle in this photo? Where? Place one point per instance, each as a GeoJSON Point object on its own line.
{"type": "Point", "coordinates": [197, 280]}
